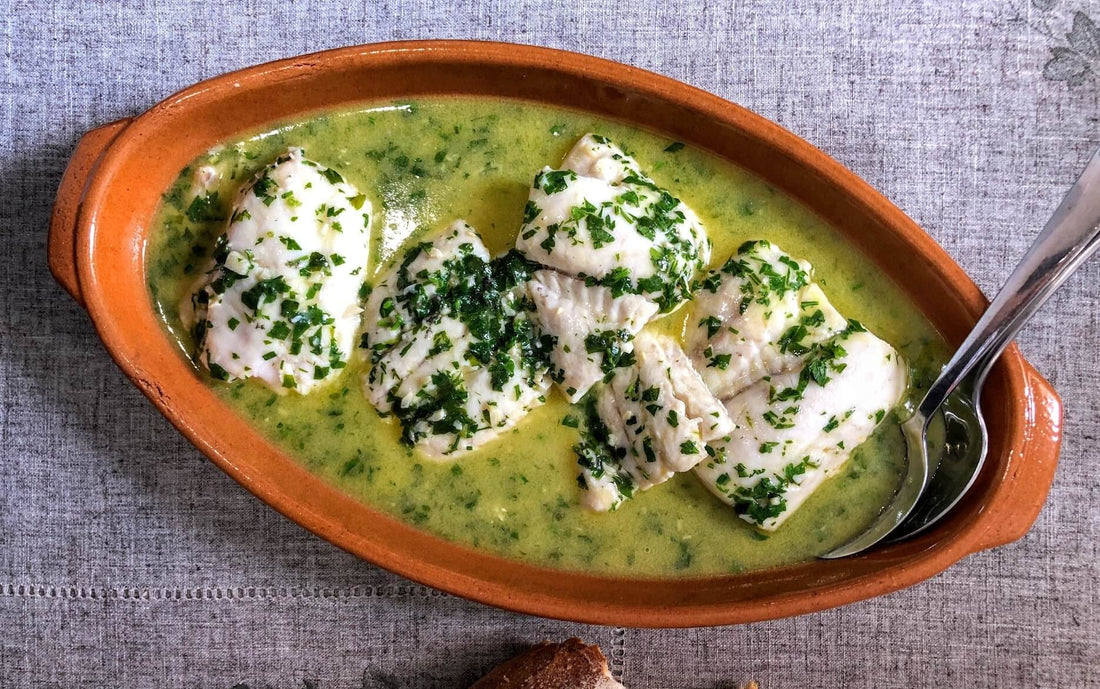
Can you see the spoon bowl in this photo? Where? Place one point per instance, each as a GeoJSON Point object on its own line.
{"type": "Point", "coordinates": [962, 453]}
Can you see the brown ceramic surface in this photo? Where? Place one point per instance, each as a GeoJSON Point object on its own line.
{"type": "Point", "coordinates": [113, 185]}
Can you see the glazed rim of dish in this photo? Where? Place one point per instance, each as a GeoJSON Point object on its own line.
{"type": "Point", "coordinates": [97, 251]}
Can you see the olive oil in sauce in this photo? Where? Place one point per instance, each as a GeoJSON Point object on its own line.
{"type": "Point", "coordinates": [426, 163]}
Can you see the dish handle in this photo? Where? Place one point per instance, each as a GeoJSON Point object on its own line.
{"type": "Point", "coordinates": [1027, 483]}
{"type": "Point", "coordinates": [61, 245]}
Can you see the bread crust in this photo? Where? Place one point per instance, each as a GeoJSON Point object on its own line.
{"type": "Point", "coordinates": [571, 664]}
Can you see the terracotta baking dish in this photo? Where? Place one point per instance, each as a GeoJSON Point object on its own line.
{"type": "Point", "coordinates": [118, 172]}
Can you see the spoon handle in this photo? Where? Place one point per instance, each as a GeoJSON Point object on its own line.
{"type": "Point", "coordinates": [1071, 235]}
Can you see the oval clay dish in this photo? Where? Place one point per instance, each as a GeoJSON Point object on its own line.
{"type": "Point", "coordinates": [118, 173]}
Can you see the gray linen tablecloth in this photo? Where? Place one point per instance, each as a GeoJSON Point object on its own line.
{"type": "Point", "coordinates": [128, 560]}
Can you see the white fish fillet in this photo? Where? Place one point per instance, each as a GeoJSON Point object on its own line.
{"type": "Point", "coordinates": [655, 418]}
{"type": "Point", "coordinates": [791, 432]}
{"type": "Point", "coordinates": [606, 220]}
{"type": "Point", "coordinates": [757, 316]}
{"type": "Point", "coordinates": [452, 389]}
{"type": "Point", "coordinates": [282, 301]}
{"type": "Point", "coordinates": [585, 320]}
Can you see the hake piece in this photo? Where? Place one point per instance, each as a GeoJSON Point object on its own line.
{"type": "Point", "coordinates": [757, 315]}
{"type": "Point", "coordinates": [568, 665]}
{"type": "Point", "coordinates": [594, 330]}
{"type": "Point", "coordinates": [611, 238]}
{"type": "Point", "coordinates": [653, 419]}
{"type": "Point", "coordinates": [281, 302]}
{"type": "Point", "coordinates": [610, 223]}
{"type": "Point", "coordinates": [803, 385]}
{"type": "Point", "coordinates": [454, 353]}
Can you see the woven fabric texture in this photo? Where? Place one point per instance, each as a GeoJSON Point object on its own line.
{"type": "Point", "coordinates": [128, 560]}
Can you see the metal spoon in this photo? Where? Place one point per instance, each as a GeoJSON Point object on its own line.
{"type": "Point", "coordinates": [1071, 235]}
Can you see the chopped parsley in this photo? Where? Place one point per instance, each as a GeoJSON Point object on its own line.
{"type": "Point", "coordinates": [554, 181]}
{"type": "Point", "coordinates": [206, 208]}
{"type": "Point", "coordinates": [611, 345]}
{"type": "Point", "coordinates": [720, 361]}
{"type": "Point", "coordinates": [712, 324]}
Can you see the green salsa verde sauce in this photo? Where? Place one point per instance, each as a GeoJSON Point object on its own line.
{"type": "Point", "coordinates": [426, 163]}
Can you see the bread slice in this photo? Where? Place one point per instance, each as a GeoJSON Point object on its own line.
{"type": "Point", "coordinates": [568, 665]}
